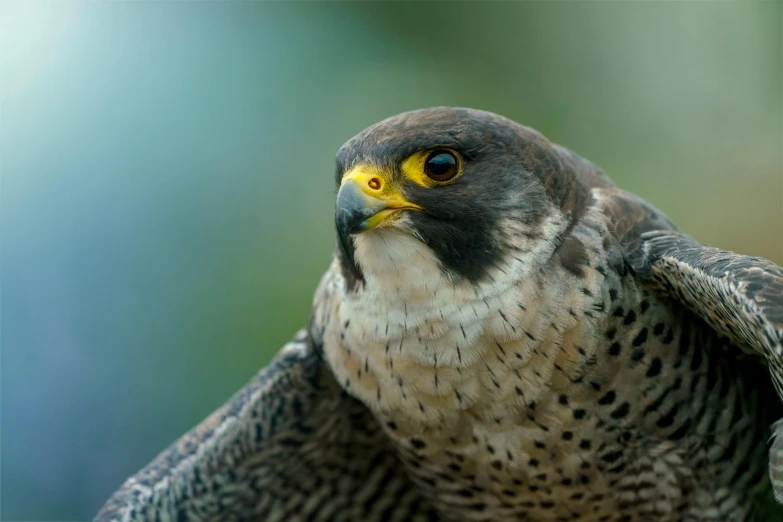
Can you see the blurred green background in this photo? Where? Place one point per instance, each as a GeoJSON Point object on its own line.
{"type": "Point", "coordinates": [167, 181]}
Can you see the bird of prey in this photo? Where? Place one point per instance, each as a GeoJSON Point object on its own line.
{"type": "Point", "coordinates": [502, 334]}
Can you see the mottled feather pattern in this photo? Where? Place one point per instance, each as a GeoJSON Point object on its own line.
{"type": "Point", "coordinates": [289, 446]}
{"type": "Point", "coordinates": [748, 285]}
{"type": "Point", "coordinates": [740, 296]}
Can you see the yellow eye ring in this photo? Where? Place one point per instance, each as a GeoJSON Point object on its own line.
{"type": "Point", "coordinates": [433, 167]}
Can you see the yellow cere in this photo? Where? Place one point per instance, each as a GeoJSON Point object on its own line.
{"type": "Point", "coordinates": [364, 174]}
{"type": "Point", "coordinates": [375, 183]}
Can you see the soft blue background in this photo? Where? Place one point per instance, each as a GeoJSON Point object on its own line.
{"type": "Point", "coordinates": [166, 181]}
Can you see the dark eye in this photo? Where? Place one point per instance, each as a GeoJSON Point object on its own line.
{"type": "Point", "coordinates": [441, 165]}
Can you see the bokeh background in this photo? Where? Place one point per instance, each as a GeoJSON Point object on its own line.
{"type": "Point", "coordinates": [167, 188]}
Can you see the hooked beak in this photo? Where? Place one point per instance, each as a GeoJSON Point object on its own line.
{"type": "Point", "coordinates": [366, 200]}
{"type": "Point", "coordinates": [356, 210]}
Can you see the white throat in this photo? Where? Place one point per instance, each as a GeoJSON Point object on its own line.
{"type": "Point", "coordinates": [408, 296]}
{"type": "Point", "coordinates": [443, 356]}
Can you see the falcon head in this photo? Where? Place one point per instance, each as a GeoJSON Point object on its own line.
{"type": "Point", "coordinates": [451, 193]}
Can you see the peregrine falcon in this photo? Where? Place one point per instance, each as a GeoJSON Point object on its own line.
{"type": "Point", "coordinates": [502, 334]}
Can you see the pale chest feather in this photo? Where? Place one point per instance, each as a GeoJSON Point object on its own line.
{"type": "Point", "coordinates": [444, 359]}
{"type": "Point", "coordinates": [457, 365]}
{"type": "Point", "coordinates": [535, 398]}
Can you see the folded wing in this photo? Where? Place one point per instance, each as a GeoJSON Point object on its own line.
{"type": "Point", "coordinates": [739, 296]}
{"type": "Point", "coordinates": [289, 446]}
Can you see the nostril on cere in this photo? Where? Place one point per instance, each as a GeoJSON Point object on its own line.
{"type": "Point", "coordinates": [374, 183]}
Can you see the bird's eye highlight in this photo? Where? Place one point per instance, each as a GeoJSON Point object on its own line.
{"type": "Point", "coordinates": [441, 165]}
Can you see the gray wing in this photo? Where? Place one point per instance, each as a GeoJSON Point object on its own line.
{"type": "Point", "coordinates": [739, 296]}
{"type": "Point", "coordinates": [289, 446]}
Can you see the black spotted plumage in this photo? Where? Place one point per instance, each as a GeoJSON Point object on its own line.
{"type": "Point", "coordinates": [524, 342]}
{"type": "Point", "coordinates": [739, 296]}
